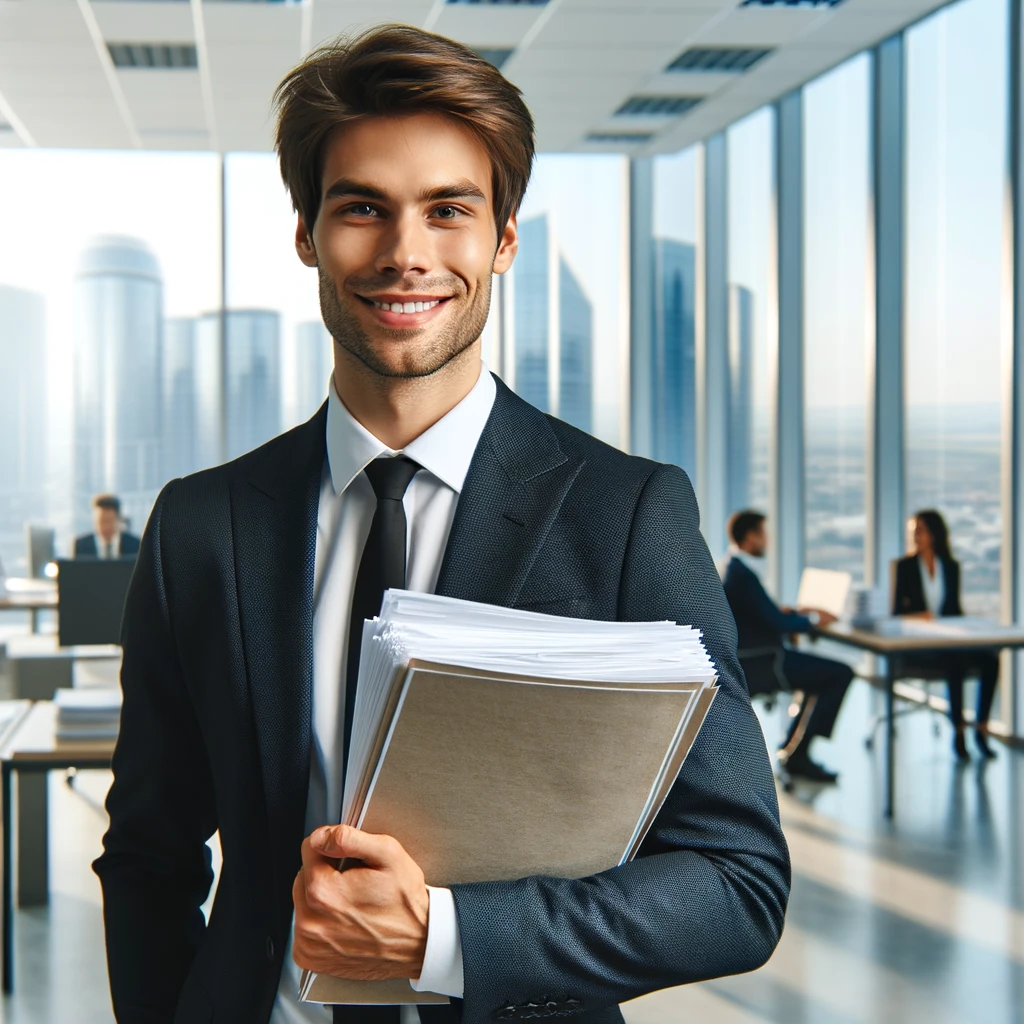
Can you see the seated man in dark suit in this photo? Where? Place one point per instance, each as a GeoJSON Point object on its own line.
{"type": "Point", "coordinates": [763, 626]}
{"type": "Point", "coordinates": [109, 539]}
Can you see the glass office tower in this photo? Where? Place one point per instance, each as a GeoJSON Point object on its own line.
{"type": "Point", "coordinates": [118, 325]}
{"type": "Point", "coordinates": [314, 362]}
{"type": "Point", "coordinates": [22, 420]}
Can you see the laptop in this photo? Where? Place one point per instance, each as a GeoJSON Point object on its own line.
{"type": "Point", "coordinates": [825, 590]}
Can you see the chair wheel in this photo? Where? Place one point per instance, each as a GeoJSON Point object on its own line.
{"type": "Point", "coordinates": [869, 743]}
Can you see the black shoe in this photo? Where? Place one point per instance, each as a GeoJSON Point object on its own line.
{"type": "Point", "coordinates": [960, 747]}
{"type": "Point", "coordinates": [981, 742]}
{"type": "Point", "coordinates": [802, 767]}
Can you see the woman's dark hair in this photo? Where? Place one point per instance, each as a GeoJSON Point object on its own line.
{"type": "Point", "coordinates": [933, 522]}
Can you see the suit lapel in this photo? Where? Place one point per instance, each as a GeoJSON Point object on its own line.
{"type": "Point", "coordinates": [274, 515]}
{"type": "Point", "coordinates": [516, 484]}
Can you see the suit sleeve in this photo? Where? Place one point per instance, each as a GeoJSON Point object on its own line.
{"type": "Point", "coordinates": [707, 894]}
{"type": "Point", "coordinates": [155, 870]}
{"type": "Point", "coordinates": [758, 607]}
{"type": "Point", "coordinates": [900, 596]}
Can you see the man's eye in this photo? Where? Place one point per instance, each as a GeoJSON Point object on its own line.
{"type": "Point", "coordinates": [362, 210]}
{"type": "Point", "coordinates": [446, 212]}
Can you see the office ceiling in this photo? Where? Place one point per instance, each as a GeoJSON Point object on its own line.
{"type": "Point", "coordinates": [578, 63]}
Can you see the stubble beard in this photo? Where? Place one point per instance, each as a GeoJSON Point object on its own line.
{"type": "Point", "coordinates": [448, 343]}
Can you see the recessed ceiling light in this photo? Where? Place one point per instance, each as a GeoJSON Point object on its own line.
{"type": "Point", "coordinates": [656, 106]}
{"type": "Point", "coordinates": [153, 55]}
{"type": "Point", "coordinates": [717, 58]}
{"type": "Point", "coordinates": [620, 138]}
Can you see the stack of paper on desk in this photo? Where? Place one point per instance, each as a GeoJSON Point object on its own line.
{"type": "Point", "coordinates": [88, 714]}
{"type": "Point", "coordinates": [495, 743]}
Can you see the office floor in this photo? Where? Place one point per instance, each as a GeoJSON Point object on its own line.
{"type": "Point", "coordinates": [922, 920]}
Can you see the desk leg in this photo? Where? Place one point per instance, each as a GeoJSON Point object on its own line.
{"type": "Point", "coordinates": [33, 882]}
{"type": "Point", "coordinates": [7, 797]}
{"type": "Point", "coordinates": [890, 738]}
{"type": "Point", "coordinates": [34, 620]}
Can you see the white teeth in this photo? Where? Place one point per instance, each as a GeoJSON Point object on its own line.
{"type": "Point", "coordinates": [406, 307]}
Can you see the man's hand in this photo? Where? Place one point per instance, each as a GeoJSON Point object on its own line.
{"type": "Point", "coordinates": [368, 922]}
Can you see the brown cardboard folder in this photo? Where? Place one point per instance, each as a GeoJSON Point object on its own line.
{"type": "Point", "coordinates": [483, 776]}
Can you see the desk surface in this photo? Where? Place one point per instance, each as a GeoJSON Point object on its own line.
{"type": "Point", "coordinates": [943, 635]}
{"type": "Point", "coordinates": [35, 739]}
{"type": "Point", "coordinates": [27, 601]}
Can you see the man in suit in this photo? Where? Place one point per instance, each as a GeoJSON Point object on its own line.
{"type": "Point", "coordinates": [109, 539]}
{"type": "Point", "coordinates": [407, 156]}
{"type": "Point", "coordinates": [770, 664]}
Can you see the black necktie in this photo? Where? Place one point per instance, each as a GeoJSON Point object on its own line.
{"type": "Point", "coordinates": [381, 567]}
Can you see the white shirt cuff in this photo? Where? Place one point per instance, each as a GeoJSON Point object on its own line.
{"type": "Point", "coordinates": [442, 961]}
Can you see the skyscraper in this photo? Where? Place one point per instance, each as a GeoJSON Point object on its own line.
{"type": "Point", "coordinates": [575, 350]}
{"type": "Point", "coordinates": [22, 420]}
{"type": "Point", "coordinates": [314, 360]}
{"type": "Point", "coordinates": [191, 398]}
{"type": "Point", "coordinates": [118, 322]}
{"type": "Point", "coordinates": [673, 363]}
{"type": "Point", "coordinates": [741, 396]}
{"type": "Point", "coordinates": [252, 371]}
{"type": "Point", "coordinates": [533, 312]}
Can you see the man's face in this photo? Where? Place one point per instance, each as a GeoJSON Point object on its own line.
{"type": "Point", "coordinates": [406, 223]}
{"type": "Point", "coordinates": [756, 542]}
{"type": "Point", "coordinates": [107, 523]}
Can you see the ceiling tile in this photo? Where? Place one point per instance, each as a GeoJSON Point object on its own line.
{"type": "Point", "coordinates": [612, 29]}
{"type": "Point", "coordinates": [141, 22]}
{"type": "Point", "coordinates": [482, 25]}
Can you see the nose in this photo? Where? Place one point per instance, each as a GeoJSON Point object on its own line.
{"type": "Point", "coordinates": [405, 247]}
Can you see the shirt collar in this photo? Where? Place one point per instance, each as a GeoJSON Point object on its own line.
{"type": "Point", "coordinates": [445, 449]}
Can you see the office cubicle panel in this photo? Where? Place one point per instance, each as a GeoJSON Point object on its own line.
{"type": "Point", "coordinates": [91, 594]}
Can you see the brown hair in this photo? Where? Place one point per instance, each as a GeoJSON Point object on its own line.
{"type": "Point", "coordinates": [741, 524]}
{"type": "Point", "coordinates": [107, 501]}
{"type": "Point", "coordinates": [393, 70]}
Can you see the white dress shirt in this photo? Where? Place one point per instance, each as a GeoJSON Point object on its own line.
{"type": "Point", "coordinates": [347, 504]}
{"type": "Point", "coordinates": [102, 549]}
{"type": "Point", "coordinates": [934, 587]}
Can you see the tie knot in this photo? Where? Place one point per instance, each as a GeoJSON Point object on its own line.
{"type": "Point", "coordinates": [391, 477]}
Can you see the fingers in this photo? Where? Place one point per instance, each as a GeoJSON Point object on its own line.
{"type": "Point", "coordinates": [337, 841]}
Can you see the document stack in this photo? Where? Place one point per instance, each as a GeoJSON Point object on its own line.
{"type": "Point", "coordinates": [88, 714]}
{"type": "Point", "coordinates": [496, 743]}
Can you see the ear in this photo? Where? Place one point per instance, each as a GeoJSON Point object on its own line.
{"type": "Point", "coordinates": [304, 243]}
{"type": "Point", "coordinates": [508, 246]}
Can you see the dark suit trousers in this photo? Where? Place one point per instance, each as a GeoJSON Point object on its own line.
{"type": "Point", "coordinates": [824, 683]}
{"type": "Point", "coordinates": [956, 666]}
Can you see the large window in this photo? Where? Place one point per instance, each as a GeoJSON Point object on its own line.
{"type": "Point", "coordinates": [101, 251]}
{"type": "Point", "coordinates": [836, 314]}
{"type": "Point", "coordinates": [566, 331]}
{"type": "Point", "coordinates": [956, 151]}
{"type": "Point", "coordinates": [672, 310]}
{"type": "Point", "coordinates": [752, 305]}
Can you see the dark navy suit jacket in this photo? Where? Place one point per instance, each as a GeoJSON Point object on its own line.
{"type": "Point", "coordinates": [908, 596]}
{"type": "Point", "coordinates": [216, 728]}
{"type": "Point", "coordinates": [85, 546]}
{"type": "Point", "coordinates": [760, 622]}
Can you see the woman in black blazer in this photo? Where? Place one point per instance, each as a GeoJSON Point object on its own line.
{"type": "Point", "coordinates": [928, 585]}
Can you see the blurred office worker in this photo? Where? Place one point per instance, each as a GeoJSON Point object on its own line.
{"type": "Point", "coordinates": [109, 539]}
{"type": "Point", "coordinates": [927, 586]}
{"type": "Point", "coordinates": [770, 664]}
{"type": "Point", "coordinates": [407, 156]}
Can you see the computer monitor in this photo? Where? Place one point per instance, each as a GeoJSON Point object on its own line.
{"type": "Point", "coordinates": [90, 599]}
{"type": "Point", "coordinates": [39, 543]}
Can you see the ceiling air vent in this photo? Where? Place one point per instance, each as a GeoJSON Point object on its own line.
{"type": "Point", "coordinates": [620, 138]}
{"type": "Point", "coordinates": [717, 59]}
{"type": "Point", "coordinates": [657, 106]}
{"type": "Point", "coordinates": [153, 55]}
{"type": "Point", "coordinates": [496, 55]}
{"type": "Point", "coordinates": [791, 3]}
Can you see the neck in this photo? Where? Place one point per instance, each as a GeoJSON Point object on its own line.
{"type": "Point", "coordinates": [396, 410]}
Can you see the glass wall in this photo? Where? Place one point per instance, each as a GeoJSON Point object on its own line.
{"type": "Point", "coordinates": [672, 303]}
{"type": "Point", "coordinates": [101, 252]}
{"type": "Point", "coordinates": [753, 308]}
{"type": "Point", "coordinates": [567, 305]}
{"type": "Point", "coordinates": [956, 153]}
{"type": "Point", "coordinates": [837, 211]}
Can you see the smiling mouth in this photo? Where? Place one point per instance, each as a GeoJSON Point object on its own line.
{"type": "Point", "coordinates": [404, 307]}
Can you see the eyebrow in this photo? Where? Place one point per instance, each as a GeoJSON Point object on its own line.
{"type": "Point", "coordinates": [346, 188]}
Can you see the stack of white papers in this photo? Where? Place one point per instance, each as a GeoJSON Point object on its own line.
{"type": "Point", "coordinates": [443, 630]}
{"type": "Point", "coordinates": [88, 714]}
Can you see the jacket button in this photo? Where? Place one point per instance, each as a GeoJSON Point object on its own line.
{"type": "Point", "coordinates": [270, 948]}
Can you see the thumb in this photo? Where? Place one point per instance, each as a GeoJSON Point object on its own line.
{"type": "Point", "coordinates": [341, 841]}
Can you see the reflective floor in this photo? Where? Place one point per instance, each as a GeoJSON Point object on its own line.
{"type": "Point", "coordinates": [919, 920]}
